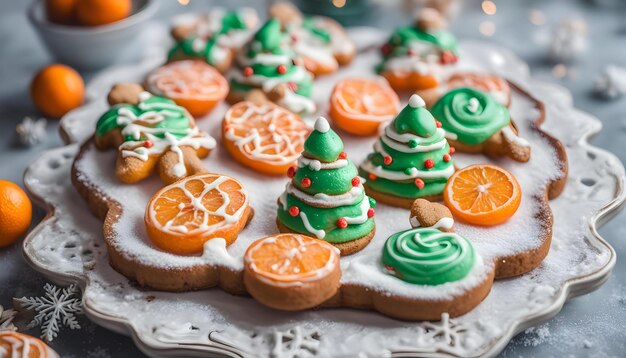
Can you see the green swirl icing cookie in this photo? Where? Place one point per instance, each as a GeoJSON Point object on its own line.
{"type": "Point", "coordinates": [427, 256]}
{"type": "Point", "coordinates": [472, 115]}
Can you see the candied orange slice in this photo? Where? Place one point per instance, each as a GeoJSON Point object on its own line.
{"type": "Point", "coordinates": [182, 216]}
{"type": "Point", "coordinates": [192, 84]}
{"type": "Point", "coordinates": [264, 137]}
{"type": "Point", "coordinates": [21, 345]}
{"type": "Point", "coordinates": [360, 105]}
{"type": "Point", "coordinates": [289, 258]}
{"type": "Point", "coordinates": [483, 194]}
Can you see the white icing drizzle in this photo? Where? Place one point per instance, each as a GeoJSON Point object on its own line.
{"type": "Point", "coordinates": [514, 138]}
{"type": "Point", "coordinates": [320, 234]}
{"type": "Point", "coordinates": [316, 165]}
{"type": "Point", "coordinates": [398, 141]}
{"type": "Point", "coordinates": [277, 145]}
{"type": "Point", "coordinates": [350, 197]}
{"type": "Point", "coordinates": [297, 103]}
{"type": "Point", "coordinates": [195, 201]}
{"type": "Point", "coordinates": [473, 105]}
{"type": "Point", "coordinates": [445, 223]}
{"type": "Point", "coordinates": [22, 345]}
{"type": "Point", "coordinates": [451, 135]}
{"type": "Point", "coordinates": [364, 207]}
{"type": "Point", "coordinates": [414, 172]}
{"type": "Point", "coordinates": [280, 277]}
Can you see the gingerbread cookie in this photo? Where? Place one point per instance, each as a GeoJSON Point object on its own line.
{"type": "Point", "coordinates": [320, 41]}
{"type": "Point", "coordinates": [192, 84]}
{"type": "Point", "coordinates": [476, 123]}
{"type": "Point", "coordinates": [360, 106]}
{"type": "Point", "coordinates": [184, 215]}
{"type": "Point", "coordinates": [151, 133]}
{"type": "Point", "coordinates": [420, 56]}
{"type": "Point", "coordinates": [412, 158]}
{"type": "Point", "coordinates": [263, 136]}
{"type": "Point", "coordinates": [214, 37]}
{"type": "Point", "coordinates": [291, 271]}
{"type": "Point", "coordinates": [325, 197]}
{"type": "Point", "coordinates": [18, 345]}
{"type": "Point", "coordinates": [427, 214]}
{"type": "Point", "coordinates": [268, 63]}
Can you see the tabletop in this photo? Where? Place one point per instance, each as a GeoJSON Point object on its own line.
{"type": "Point", "coordinates": [593, 325]}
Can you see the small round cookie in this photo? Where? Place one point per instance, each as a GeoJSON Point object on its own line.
{"type": "Point", "coordinates": [360, 106]}
{"type": "Point", "coordinates": [264, 136]}
{"type": "Point", "coordinates": [182, 216]}
{"type": "Point", "coordinates": [291, 271]}
{"type": "Point", "coordinates": [19, 345]}
{"type": "Point", "coordinates": [192, 84]}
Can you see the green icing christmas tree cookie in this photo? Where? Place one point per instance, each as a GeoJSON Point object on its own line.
{"type": "Point", "coordinates": [412, 159]}
{"type": "Point", "coordinates": [269, 63]}
{"type": "Point", "coordinates": [325, 197]}
{"type": "Point", "coordinates": [213, 37]}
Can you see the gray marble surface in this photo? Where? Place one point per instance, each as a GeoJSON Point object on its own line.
{"type": "Point", "coordinates": [589, 326]}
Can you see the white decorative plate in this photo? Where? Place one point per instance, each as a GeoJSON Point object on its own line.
{"type": "Point", "coordinates": [67, 247]}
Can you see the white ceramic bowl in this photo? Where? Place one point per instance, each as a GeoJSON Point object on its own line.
{"type": "Point", "coordinates": [92, 48]}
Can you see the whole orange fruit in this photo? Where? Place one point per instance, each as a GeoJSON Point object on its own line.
{"type": "Point", "coordinates": [61, 11]}
{"type": "Point", "coordinates": [102, 12]}
{"type": "Point", "coordinates": [56, 90]}
{"type": "Point", "coordinates": [15, 213]}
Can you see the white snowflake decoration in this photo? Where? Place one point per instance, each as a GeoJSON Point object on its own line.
{"type": "Point", "coordinates": [611, 83]}
{"type": "Point", "coordinates": [56, 307]}
{"type": "Point", "coordinates": [295, 342]}
{"type": "Point", "coordinates": [6, 319]}
{"type": "Point", "coordinates": [446, 332]}
{"type": "Point", "coordinates": [31, 131]}
{"type": "Point", "coordinates": [569, 40]}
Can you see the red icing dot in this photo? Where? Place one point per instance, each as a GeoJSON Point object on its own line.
{"type": "Point", "coordinates": [292, 86]}
{"type": "Point", "coordinates": [356, 181]}
{"type": "Point", "coordinates": [371, 213]}
{"type": "Point", "coordinates": [448, 58]}
{"type": "Point", "coordinates": [294, 37]}
{"type": "Point", "coordinates": [390, 268]}
{"type": "Point", "coordinates": [446, 157]}
{"type": "Point", "coordinates": [386, 49]}
{"type": "Point", "coordinates": [148, 144]}
{"type": "Point", "coordinates": [248, 71]}
{"type": "Point", "coordinates": [372, 176]}
{"type": "Point", "coordinates": [438, 123]}
{"type": "Point", "coordinates": [306, 182]}
{"type": "Point", "coordinates": [452, 150]}
{"type": "Point", "coordinates": [429, 163]}
{"type": "Point", "coordinates": [342, 155]}
{"type": "Point", "coordinates": [281, 69]}
{"type": "Point", "coordinates": [387, 160]}
{"type": "Point", "coordinates": [410, 52]}
{"type": "Point", "coordinates": [419, 183]}
{"type": "Point", "coordinates": [294, 211]}
{"type": "Point", "coordinates": [342, 223]}
{"type": "Point", "coordinates": [291, 171]}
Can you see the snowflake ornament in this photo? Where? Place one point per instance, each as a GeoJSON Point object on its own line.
{"type": "Point", "coordinates": [57, 307]}
{"type": "Point", "coordinates": [295, 342]}
{"type": "Point", "coordinates": [31, 131]}
{"type": "Point", "coordinates": [6, 319]}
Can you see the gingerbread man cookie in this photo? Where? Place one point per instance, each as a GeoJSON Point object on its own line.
{"type": "Point", "coordinates": [151, 133]}
{"type": "Point", "coordinates": [476, 123]}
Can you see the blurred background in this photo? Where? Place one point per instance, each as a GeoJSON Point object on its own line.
{"type": "Point", "coordinates": [578, 44]}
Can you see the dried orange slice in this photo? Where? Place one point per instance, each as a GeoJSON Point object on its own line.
{"type": "Point", "coordinates": [264, 137]}
{"type": "Point", "coordinates": [195, 85]}
{"type": "Point", "coordinates": [291, 271]}
{"type": "Point", "coordinates": [15, 344]}
{"type": "Point", "coordinates": [483, 194]}
{"type": "Point", "coordinates": [360, 105]}
{"type": "Point", "coordinates": [182, 216]}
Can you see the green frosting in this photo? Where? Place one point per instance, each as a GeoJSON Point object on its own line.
{"type": "Point", "coordinates": [471, 114]}
{"type": "Point", "coordinates": [271, 40]}
{"type": "Point", "coordinates": [320, 179]}
{"type": "Point", "coordinates": [411, 159]}
{"type": "Point", "coordinates": [427, 256]}
{"type": "Point", "coordinates": [399, 43]}
{"type": "Point", "coordinates": [231, 20]}
{"type": "Point", "coordinates": [175, 120]}
{"type": "Point", "coordinates": [417, 121]}
{"type": "Point", "coordinates": [321, 33]}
